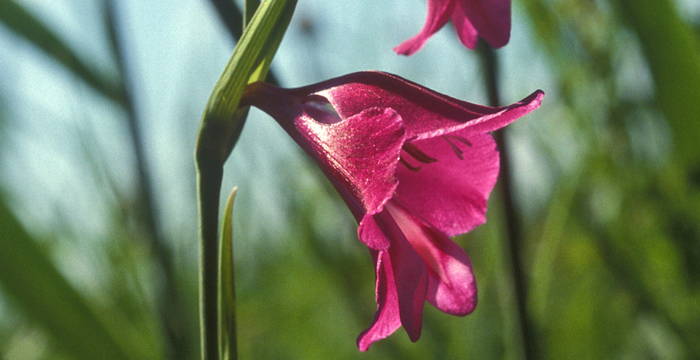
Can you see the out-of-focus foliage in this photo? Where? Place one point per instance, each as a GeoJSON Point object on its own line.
{"type": "Point", "coordinates": [612, 220]}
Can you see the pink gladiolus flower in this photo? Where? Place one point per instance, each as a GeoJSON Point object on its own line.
{"type": "Point", "coordinates": [489, 19]}
{"type": "Point", "coordinates": [415, 167]}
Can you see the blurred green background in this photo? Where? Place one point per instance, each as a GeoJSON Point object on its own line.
{"type": "Point", "coordinates": [100, 104]}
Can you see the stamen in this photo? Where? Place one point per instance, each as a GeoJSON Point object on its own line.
{"type": "Point", "coordinates": [417, 154]}
{"type": "Point", "coordinates": [461, 139]}
{"type": "Point", "coordinates": [455, 148]}
{"type": "Point", "coordinates": [407, 165]}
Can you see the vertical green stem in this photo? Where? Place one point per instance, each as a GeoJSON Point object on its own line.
{"type": "Point", "coordinates": [209, 188]}
{"type": "Point", "coordinates": [222, 123]}
{"type": "Point", "coordinates": [513, 228]}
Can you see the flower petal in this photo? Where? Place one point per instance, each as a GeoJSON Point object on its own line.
{"type": "Point", "coordinates": [451, 193]}
{"type": "Point", "coordinates": [371, 235]}
{"type": "Point", "coordinates": [463, 26]}
{"type": "Point", "coordinates": [386, 319]}
{"type": "Point", "coordinates": [358, 152]}
{"type": "Point", "coordinates": [410, 273]}
{"type": "Point", "coordinates": [359, 155]}
{"type": "Point", "coordinates": [452, 286]}
{"type": "Point", "coordinates": [425, 113]}
{"type": "Point", "coordinates": [438, 15]}
{"type": "Point", "coordinates": [490, 18]}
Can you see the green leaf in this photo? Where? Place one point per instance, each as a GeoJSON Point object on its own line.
{"type": "Point", "coordinates": [249, 8]}
{"type": "Point", "coordinates": [20, 21]}
{"type": "Point", "coordinates": [227, 288]}
{"type": "Point", "coordinates": [39, 291]}
{"type": "Point", "coordinates": [261, 34]}
{"type": "Point", "coordinates": [271, 46]}
{"type": "Point", "coordinates": [673, 53]}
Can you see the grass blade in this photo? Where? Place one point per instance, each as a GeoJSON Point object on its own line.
{"type": "Point", "coordinates": [25, 25]}
{"type": "Point", "coordinates": [30, 279]}
{"type": "Point", "coordinates": [671, 48]}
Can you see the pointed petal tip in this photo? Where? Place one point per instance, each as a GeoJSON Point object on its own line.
{"type": "Point", "coordinates": [380, 330]}
{"type": "Point", "coordinates": [528, 104]}
{"type": "Point", "coordinates": [414, 335]}
{"type": "Point", "coordinates": [536, 97]}
{"type": "Point", "coordinates": [363, 343]}
{"type": "Point", "coordinates": [409, 47]}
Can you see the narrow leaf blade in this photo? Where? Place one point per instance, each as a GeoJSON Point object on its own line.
{"type": "Point", "coordinates": [227, 288]}
{"type": "Point", "coordinates": [673, 52]}
{"type": "Point", "coordinates": [25, 25]}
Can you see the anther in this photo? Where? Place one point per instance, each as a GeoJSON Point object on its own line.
{"type": "Point", "coordinates": [461, 139]}
{"type": "Point", "coordinates": [454, 148]}
{"type": "Point", "coordinates": [407, 165]}
{"type": "Point", "coordinates": [417, 154]}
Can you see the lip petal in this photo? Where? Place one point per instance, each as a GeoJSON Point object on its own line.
{"type": "Point", "coordinates": [387, 319]}
{"type": "Point", "coordinates": [410, 273]}
{"type": "Point", "coordinates": [452, 286]}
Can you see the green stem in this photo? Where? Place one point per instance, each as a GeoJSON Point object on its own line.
{"type": "Point", "coordinates": [209, 185]}
{"type": "Point", "coordinates": [222, 123]}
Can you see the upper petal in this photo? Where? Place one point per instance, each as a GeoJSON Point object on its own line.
{"type": "Point", "coordinates": [386, 319]}
{"type": "Point", "coordinates": [490, 18]}
{"type": "Point", "coordinates": [358, 152]}
{"type": "Point", "coordinates": [451, 193]}
{"type": "Point", "coordinates": [438, 14]}
{"type": "Point", "coordinates": [425, 113]}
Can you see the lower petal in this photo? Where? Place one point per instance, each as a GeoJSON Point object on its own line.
{"type": "Point", "coordinates": [387, 318]}
{"type": "Point", "coordinates": [411, 286]}
{"type": "Point", "coordinates": [452, 287]}
{"type": "Point", "coordinates": [371, 235]}
{"type": "Point", "coordinates": [410, 273]}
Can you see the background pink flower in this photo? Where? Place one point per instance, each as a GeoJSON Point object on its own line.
{"type": "Point", "coordinates": [488, 19]}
